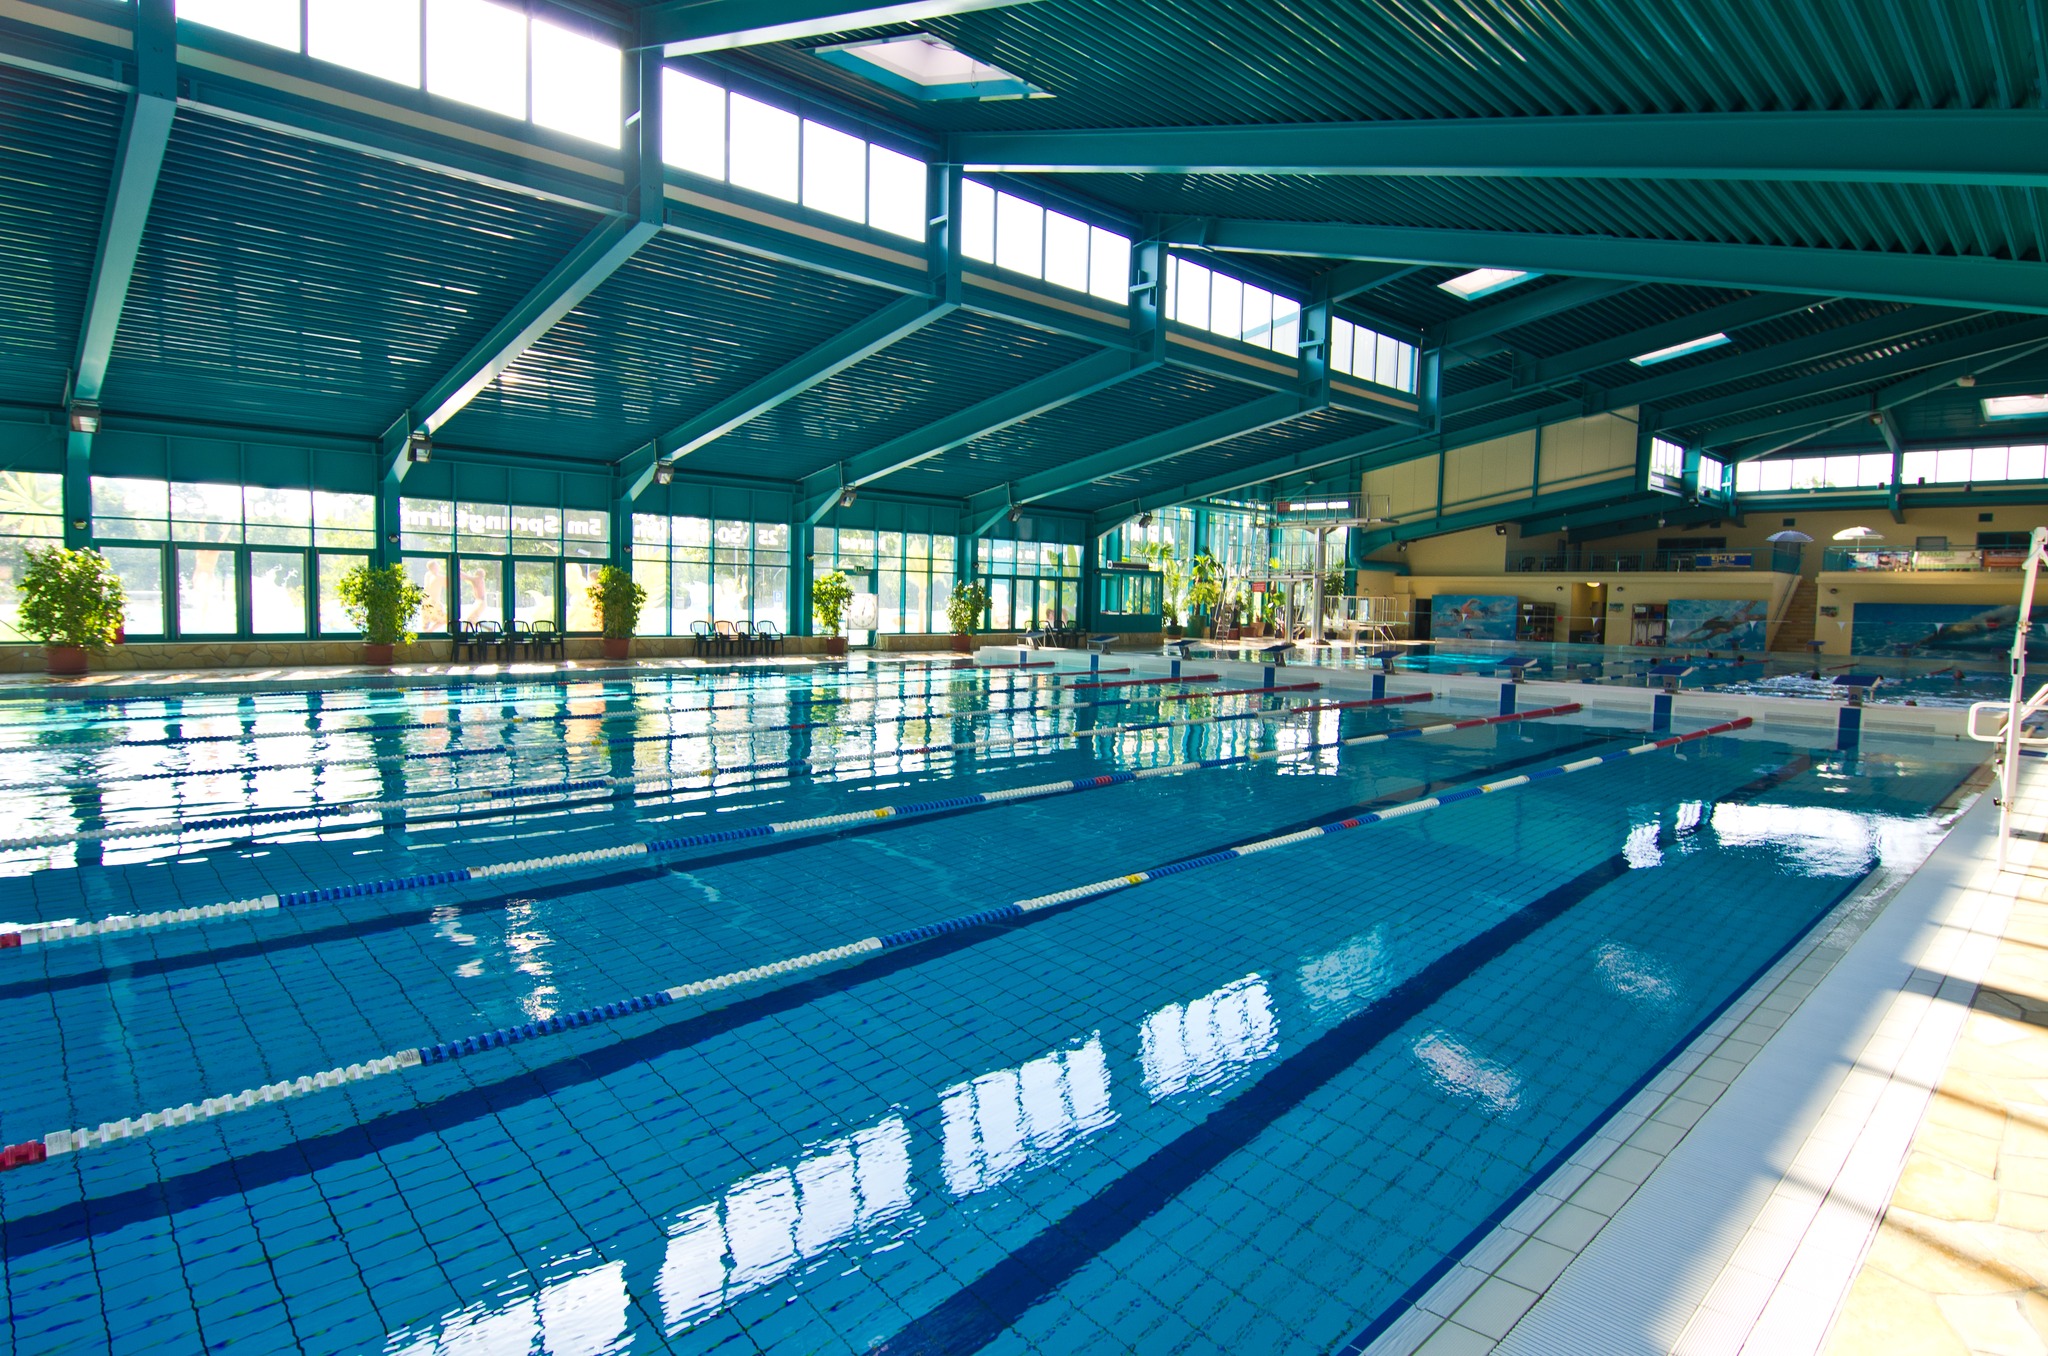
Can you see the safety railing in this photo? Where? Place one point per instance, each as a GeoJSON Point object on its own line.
{"type": "Point", "coordinates": [2018, 708]}
{"type": "Point", "coordinates": [1947, 558]}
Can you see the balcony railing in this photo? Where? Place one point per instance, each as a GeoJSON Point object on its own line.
{"type": "Point", "coordinates": [1903, 558]}
{"type": "Point", "coordinates": [1578, 561]}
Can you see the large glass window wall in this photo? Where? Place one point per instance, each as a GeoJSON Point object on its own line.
{"type": "Point", "coordinates": [710, 570]}
{"type": "Point", "coordinates": [1030, 583]}
{"type": "Point", "coordinates": [31, 518]}
{"type": "Point", "coordinates": [484, 562]}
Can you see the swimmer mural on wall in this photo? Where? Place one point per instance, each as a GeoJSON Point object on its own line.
{"type": "Point", "coordinates": [1717, 623]}
{"type": "Point", "coordinates": [1463, 616]}
{"type": "Point", "coordinates": [1944, 630]}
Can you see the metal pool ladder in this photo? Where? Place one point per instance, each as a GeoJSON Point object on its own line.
{"type": "Point", "coordinates": [2018, 708]}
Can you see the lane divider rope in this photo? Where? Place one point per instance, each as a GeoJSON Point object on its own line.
{"type": "Point", "coordinates": [61, 1142]}
{"type": "Point", "coordinates": [37, 933]}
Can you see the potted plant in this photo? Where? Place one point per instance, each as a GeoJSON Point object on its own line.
{"type": "Point", "coordinates": [964, 611]}
{"type": "Point", "coordinates": [381, 601]}
{"type": "Point", "coordinates": [830, 593]}
{"type": "Point", "coordinates": [1205, 590]}
{"type": "Point", "coordinates": [72, 602]}
{"type": "Point", "coordinates": [619, 601]}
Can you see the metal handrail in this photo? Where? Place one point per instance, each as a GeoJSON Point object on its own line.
{"type": "Point", "coordinates": [2017, 707]}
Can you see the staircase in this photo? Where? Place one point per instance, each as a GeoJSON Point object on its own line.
{"type": "Point", "coordinates": [1795, 626]}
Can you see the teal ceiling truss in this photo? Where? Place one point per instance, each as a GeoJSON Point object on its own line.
{"type": "Point", "coordinates": [1867, 225]}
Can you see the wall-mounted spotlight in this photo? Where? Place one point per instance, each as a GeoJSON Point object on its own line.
{"type": "Point", "coordinates": [1500, 529]}
{"type": "Point", "coordinates": [85, 416]}
{"type": "Point", "coordinates": [1145, 519]}
{"type": "Point", "coordinates": [663, 473]}
{"type": "Point", "coordinates": [1966, 380]}
{"type": "Point", "coordinates": [1016, 512]}
{"type": "Point", "coordinates": [419, 448]}
{"type": "Point", "coordinates": [846, 497]}
{"type": "Point", "coordinates": [1401, 546]}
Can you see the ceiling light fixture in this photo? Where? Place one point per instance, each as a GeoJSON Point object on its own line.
{"type": "Point", "coordinates": [1661, 355]}
{"type": "Point", "coordinates": [1484, 282]}
{"type": "Point", "coordinates": [663, 473]}
{"type": "Point", "coordinates": [419, 448]}
{"type": "Point", "coordinates": [2015, 406]}
{"type": "Point", "coordinates": [1016, 512]}
{"type": "Point", "coordinates": [85, 416]}
{"type": "Point", "coordinates": [846, 497]}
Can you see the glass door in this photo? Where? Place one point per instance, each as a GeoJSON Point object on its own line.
{"type": "Point", "coordinates": [208, 599]}
{"type": "Point", "coordinates": [277, 593]}
{"type": "Point", "coordinates": [480, 588]}
{"type": "Point", "coordinates": [863, 613]}
{"type": "Point", "coordinates": [535, 592]}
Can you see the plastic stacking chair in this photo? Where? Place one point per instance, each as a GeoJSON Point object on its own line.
{"type": "Point", "coordinates": [749, 638]}
{"type": "Point", "coordinates": [518, 635]}
{"type": "Point", "coordinates": [489, 638]}
{"type": "Point", "coordinates": [545, 639]}
{"type": "Point", "coordinates": [701, 632]}
{"type": "Point", "coordinates": [769, 638]}
{"type": "Point", "coordinates": [728, 637]}
{"type": "Point", "coordinates": [462, 638]}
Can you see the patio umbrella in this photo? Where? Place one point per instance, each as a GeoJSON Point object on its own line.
{"type": "Point", "coordinates": [1859, 534]}
{"type": "Point", "coordinates": [1785, 537]}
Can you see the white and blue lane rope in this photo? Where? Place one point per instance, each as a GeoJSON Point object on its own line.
{"type": "Point", "coordinates": [29, 934]}
{"type": "Point", "coordinates": [440, 1052]}
{"type": "Point", "coordinates": [460, 802]}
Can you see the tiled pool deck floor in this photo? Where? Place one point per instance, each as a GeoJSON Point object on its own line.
{"type": "Point", "coordinates": [1853, 1159]}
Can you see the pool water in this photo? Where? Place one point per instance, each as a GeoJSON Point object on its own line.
{"type": "Point", "coordinates": [1252, 1106]}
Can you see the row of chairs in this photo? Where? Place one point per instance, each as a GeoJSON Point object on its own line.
{"type": "Point", "coordinates": [726, 637]}
{"type": "Point", "coordinates": [489, 638]}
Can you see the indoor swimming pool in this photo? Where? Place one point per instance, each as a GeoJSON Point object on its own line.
{"type": "Point", "coordinates": [939, 1016]}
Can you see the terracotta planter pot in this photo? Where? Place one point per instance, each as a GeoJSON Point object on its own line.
{"type": "Point", "coordinates": [65, 659]}
{"type": "Point", "coordinates": [377, 654]}
{"type": "Point", "coordinates": [835, 646]}
{"type": "Point", "coordinates": [963, 644]}
{"type": "Point", "coordinates": [618, 647]}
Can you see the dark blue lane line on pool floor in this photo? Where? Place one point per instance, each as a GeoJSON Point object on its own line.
{"type": "Point", "coordinates": [90, 1216]}
{"type": "Point", "coordinates": [1413, 1294]}
{"type": "Point", "coordinates": [981, 1311]}
{"type": "Point", "coordinates": [759, 848]}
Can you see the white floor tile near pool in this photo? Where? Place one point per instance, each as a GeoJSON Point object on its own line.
{"type": "Point", "coordinates": [1728, 1206]}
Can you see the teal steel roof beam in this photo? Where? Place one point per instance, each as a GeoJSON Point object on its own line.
{"type": "Point", "coordinates": [1732, 315]}
{"type": "Point", "coordinates": [1938, 280]}
{"type": "Point", "coordinates": [1252, 417]}
{"type": "Point", "coordinates": [1864, 336]}
{"type": "Point", "coordinates": [595, 258]}
{"type": "Point", "coordinates": [1592, 498]}
{"type": "Point", "coordinates": [686, 27]}
{"type": "Point", "coordinates": [1943, 146]}
{"type": "Point", "coordinates": [1968, 354]}
{"type": "Point", "coordinates": [1524, 308]}
{"type": "Point", "coordinates": [1747, 440]}
{"type": "Point", "coordinates": [145, 136]}
{"type": "Point", "coordinates": [1062, 386]}
{"type": "Point", "coordinates": [1350, 280]}
{"type": "Point", "coordinates": [898, 320]}
{"type": "Point", "coordinates": [1363, 451]}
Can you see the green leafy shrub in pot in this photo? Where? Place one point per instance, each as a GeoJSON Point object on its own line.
{"type": "Point", "coordinates": [72, 601]}
{"type": "Point", "coordinates": [382, 601]}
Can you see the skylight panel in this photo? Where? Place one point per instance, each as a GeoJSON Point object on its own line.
{"type": "Point", "coordinates": [2015, 406]}
{"type": "Point", "coordinates": [271, 21]}
{"type": "Point", "coordinates": [578, 83]}
{"type": "Point", "coordinates": [476, 52]}
{"type": "Point", "coordinates": [1679, 350]}
{"type": "Point", "coordinates": [376, 37]}
{"type": "Point", "coordinates": [927, 68]}
{"type": "Point", "coordinates": [1482, 282]}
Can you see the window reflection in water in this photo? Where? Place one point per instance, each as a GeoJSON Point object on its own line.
{"type": "Point", "coordinates": [1011, 1119]}
{"type": "Point", "coordinates": [770, 1223]}
{"type": "Point", "coordinates": [583, 1314]}
{"type": "Point", "coordinates": [1208, 1040]}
